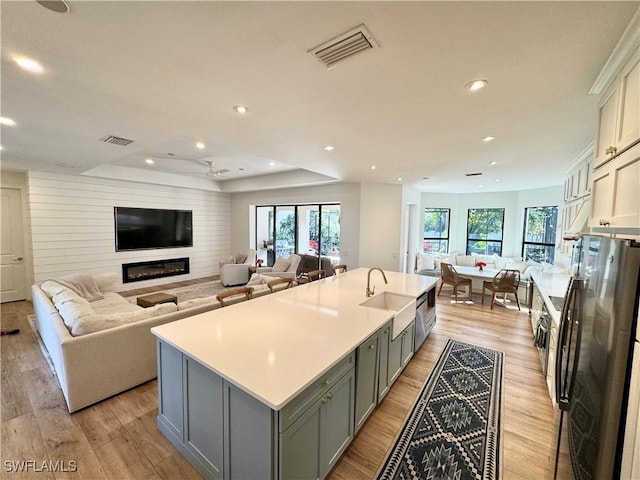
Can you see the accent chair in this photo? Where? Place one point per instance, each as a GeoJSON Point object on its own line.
{"type": "Point", "coordinates": [450, 276]}
{"type": "Point", "coordinates": [505, 281]}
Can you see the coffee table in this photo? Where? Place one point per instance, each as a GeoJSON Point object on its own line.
{"type": "Point", "coordinates": [155, 299]}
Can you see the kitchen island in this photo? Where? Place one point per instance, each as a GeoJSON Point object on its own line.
{"type": "Point", "coordinates": [276, 387]}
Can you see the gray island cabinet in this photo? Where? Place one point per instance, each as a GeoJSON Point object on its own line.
{"type": "Point", "coordinates": [276, 388]}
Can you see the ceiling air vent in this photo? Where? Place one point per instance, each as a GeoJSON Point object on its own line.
{"type": "Point", "coordinates": [473, 174]}
{"type": "Point", "coordinates": [112, 139]}
{"type": "Point", "coordinates": [344, 46]}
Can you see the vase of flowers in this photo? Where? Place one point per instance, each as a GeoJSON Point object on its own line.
{"type": "Point", "coordinates": [481, 265]}
{"type": "Point", "coordinates": [259, 262]}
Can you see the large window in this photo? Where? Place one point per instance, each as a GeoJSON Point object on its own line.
{"type": "Point", "coordinates": [539, 234]}
{"type": "Point", "coordinates": [484, 231]}
{"type": "Point", "coordinates": [436, 230]}
{"type": "Point", "coordinates": [307, 229]}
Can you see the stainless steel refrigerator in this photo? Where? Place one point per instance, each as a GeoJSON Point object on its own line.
{"type": "Point", "coordinates": [596, 342]}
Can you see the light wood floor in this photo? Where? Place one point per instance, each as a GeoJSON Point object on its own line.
{"type": "Point", "coordinates": [118, 438]}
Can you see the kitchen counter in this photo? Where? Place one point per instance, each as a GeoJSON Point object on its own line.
{"type": "Point", "coordinates": [551, 284]}
{"type": "Point", "coordinates": [273, 347]}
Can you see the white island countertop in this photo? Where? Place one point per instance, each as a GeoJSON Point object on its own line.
{"type": "Point", "coordinates": [274, 346]}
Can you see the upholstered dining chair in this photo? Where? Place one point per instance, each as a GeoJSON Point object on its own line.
{"type": "Point", "coordinates": [234, 295]}
{"type": "Point", "coordinates": [505, 281]}
{"type": "Point", "coordinates": [339, 269]}
{"type": "Point", "coordinates": [450, 276]}
{"type": "Point", "coordinates": [316, 275]}
{"type": "Point", "coordinates": [277, 284]}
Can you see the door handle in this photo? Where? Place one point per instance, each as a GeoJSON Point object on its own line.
{"type": "Point", "coordinates": [19, 259]}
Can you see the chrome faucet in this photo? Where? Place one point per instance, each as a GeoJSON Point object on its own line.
{"type": "Point", "coordinates": [371, 291]}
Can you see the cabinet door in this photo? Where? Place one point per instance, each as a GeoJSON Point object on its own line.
{"type": "Point", "coordinates": [300, 447]}
{"type": "Point", "coordinates": [606, 135]}
{"type": "Point", "coordinates": [628, 128]}
{"type": "Point", "coordinates": [367, 378]}
{"type": "Point", "coordinates": [601, 196]}
{"type": "Point", "coordinates": [395, 359]}
{"type": "Point", "coordinates": [626, 188]}
{"type": "Point", "coordinates": [336, 422]}
{"type": "Point", "coordinates": [407, 344]}
{"type": "Point", "coordinates": [204, 416]}
{"type": "Point", "coordinates": [383, 362]}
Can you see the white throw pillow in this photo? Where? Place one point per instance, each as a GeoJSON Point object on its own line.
{"type": "Point", "coordinates": [425, 262]}
{"type": "Point", "coordinates": [240, 257]}
{"type": "Point", "coordinates": [280, 265]}
{"type": "Point", "coordinates": [466, 260]}
{"type": "Point", "coordinates": [51, 288]}
{"type": "Point", "coordinates": [450, 259]}
{"type": "Point", "coordinates": [490, 260]}
{"type": "Point", "coordinates": [515, 265]}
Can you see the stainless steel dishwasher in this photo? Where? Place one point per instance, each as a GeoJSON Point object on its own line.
{"type": "Point", "coordinates": [425, 317]}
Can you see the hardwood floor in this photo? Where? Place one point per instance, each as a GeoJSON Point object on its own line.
{"type": "Point", "coordinates": [118, 438]}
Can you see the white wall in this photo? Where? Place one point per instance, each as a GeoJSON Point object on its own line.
{"type": "Point", "coordinates": [347, 194]}
{"type": "Point", "coordinates": [381, 226]}
{"type": "Point", "coordinates": [71, 225]}
{"type": "Point", "coordinates": [514, 204]}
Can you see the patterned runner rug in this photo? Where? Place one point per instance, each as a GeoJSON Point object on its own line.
{"type": "Point", "coordinates": [453, 430]}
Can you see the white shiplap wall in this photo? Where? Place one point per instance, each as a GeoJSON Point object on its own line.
{"type": "Point", "coordinates": [71, 225]}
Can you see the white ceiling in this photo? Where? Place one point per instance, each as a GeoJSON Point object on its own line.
{"type": "Point", "coordinates": [167, 74]}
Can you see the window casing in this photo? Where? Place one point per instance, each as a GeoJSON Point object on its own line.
{"type": "Point", "coordinates": [436, 230]}
{"type": "Point", "coordinates": [485, 230]}
{"type": "Point", "coordinates": [539, 233]}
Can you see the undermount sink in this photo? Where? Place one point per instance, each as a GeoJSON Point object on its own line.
{"type": "Point", "coordinates": [403, 307]}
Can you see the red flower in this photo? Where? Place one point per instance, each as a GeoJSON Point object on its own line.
{"type": "Point", "coordinates": [481, 264]}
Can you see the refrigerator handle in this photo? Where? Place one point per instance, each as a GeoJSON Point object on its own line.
{"type": "Point", "coordinates": [563, 350]}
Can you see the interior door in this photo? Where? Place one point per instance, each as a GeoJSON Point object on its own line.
{"type": "Point", "coordinates": [12, 274]}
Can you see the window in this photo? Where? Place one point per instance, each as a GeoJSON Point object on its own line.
{"type": "Point", "coordinates": [484, 231]}
{"type": "Point", "coordinates": [436, 230]}
{"type": "Point", "coordinates": [539, 234]}
{"type": "Point", "coordinates": [306, 229]}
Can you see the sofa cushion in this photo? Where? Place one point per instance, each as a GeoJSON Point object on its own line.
{"type": "Point", "coordinates": [113, 303]}
{"type": "Point", "coordinates": [240, 257]}
{"type": "Point", "coordinates": [281, 265]}
{"type": "Point", "coordinates": [424, 261]}
{"type": "Point", "coordinates": [466, 260]}
{"type": "Point", "coordinates": [489, 260]}
{"type": "Point", "coordinates": [257, 279]}
{"type": "Point", "coordinates": [94, 323]}
{"type": "Point", "coordinates": [107, 282]}
{"type": "Point", "coordinates": [446, 258]}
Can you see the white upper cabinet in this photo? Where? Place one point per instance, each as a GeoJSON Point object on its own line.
{"type": "Point", "coordinates": [619, 113]}
{"type": "Point", "coordinates": [615, 182]}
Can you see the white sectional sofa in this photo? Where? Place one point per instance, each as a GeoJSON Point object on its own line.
{"type": "Point", "coordinates": [102, 345]}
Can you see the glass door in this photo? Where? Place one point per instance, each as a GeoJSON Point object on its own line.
{"type": "Point", "coordinates": [330, 232]}
{"type": "Point", "coordinates": [285, 239]}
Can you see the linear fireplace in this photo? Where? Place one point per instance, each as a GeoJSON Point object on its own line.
{"type": "Point", "coordinates": [134, 272]}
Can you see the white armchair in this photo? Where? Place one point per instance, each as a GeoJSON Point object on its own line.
{"type": "Point", "coordinates": [290, 265]}
{"type": "Point", "coordinates": [236, 272]}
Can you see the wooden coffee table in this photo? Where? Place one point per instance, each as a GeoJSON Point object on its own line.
{"type": "Point", "coordinates": [155, 299]}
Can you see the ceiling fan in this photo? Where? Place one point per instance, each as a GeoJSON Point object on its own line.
{"type": "Point", "coordinates": [211, 173]}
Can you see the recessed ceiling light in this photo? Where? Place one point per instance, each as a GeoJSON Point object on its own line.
{"type": "Point", "coordinates": [7, 121]}
{"type": "Point", "coordinates": [329, 148]}
{"type": "Point", "coordinates": [200, 145]}
{"type": "Point", "coordinates": [497, 179]}
{"type": "Point", "coordinates": [480, 186]}
{"type": "Point", "coordinates": [493, 163]}
{"type": "Point", "coordinates": [476, 85]}
{"type": "Point", "coordinates": [0, 147]}
{"type": "Point", "coordinates": [272, 163]}
{"type": "Point", "coordinates": [29, 64]}
{"type": "Point", "coordinates": [242, 109]}
{"type": "Point", "coordinates": [373, 167]}
{"type": "Point", "coordinates": [487, 139]}
{"type": "Point", "coordinates": [149, 161]}
{"type": "Point", "coordinates": [399, 179]}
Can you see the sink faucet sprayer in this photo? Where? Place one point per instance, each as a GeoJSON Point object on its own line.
{"type": "Point", "coordinates": [371, 291]}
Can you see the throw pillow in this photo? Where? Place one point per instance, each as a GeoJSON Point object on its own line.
{"type": "Point", "coordinates": [281, 264]}
{"type": "Point", "coordinates": [466, 260]}
{"type": "Point", "coordinates": [257, 279]}
{"type": "Point", "coordinates": [240, 257]}
{"type": "Point", "coordinates": [425, 262]}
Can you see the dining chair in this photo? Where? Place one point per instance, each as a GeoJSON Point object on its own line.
{"type": "Point", "coordinates": [339, 269]}
{"type": "Point", "coordinates": [316, 275]}
{"type": "Point", "coordinates": [450, 276]}
{"type": "Point", "coordinates": [506, 281]}
{"type": "Point", "coordinates": [275, 285]}
{"type": "Point", "coordinates": [226, 297]}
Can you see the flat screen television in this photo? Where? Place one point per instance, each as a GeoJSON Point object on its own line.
{"type": "Point", "coordinates": [149, 228]}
